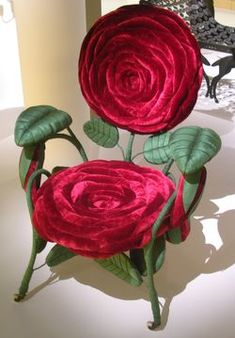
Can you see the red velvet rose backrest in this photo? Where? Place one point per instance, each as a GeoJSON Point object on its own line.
{"type": "Point", "coordinates": [140, 69]}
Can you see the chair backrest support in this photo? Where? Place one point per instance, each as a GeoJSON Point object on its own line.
{"type": "Point", "coordinates": [199, 14]}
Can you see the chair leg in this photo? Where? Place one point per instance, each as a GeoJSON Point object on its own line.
{"type": "Point", "coordinates": [225, 66]}
{"type": "Point", "coordinates": [207, 83]}
{"type": "Point", "coordinates": [207, 63]}
{"type": "Point", "coordinates": [213, 87]}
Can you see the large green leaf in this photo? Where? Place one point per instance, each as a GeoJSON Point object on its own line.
{"type": "Point", "coordinates": [121, 266]}
{"type": "Point", "coordinates": [192, 147]}
{"type": "Point", "coordinates": [58, 254]}
{"type": "Point", "coordinates": [40, 243]}
{"type": "Point", "coordinates": [156, 148]}
{"type": "Point", "coordinates": [57, 169]}
{"type": "Point", "coordinates": [25, 162]}
{"type": "Point", "coordinates": [174, 236]}
{"type": "Point", "coordinates": [101, 133]}
{"type": "Point", "coordinates": [38, 123]}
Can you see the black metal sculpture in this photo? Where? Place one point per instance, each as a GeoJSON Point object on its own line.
{"type": "Point", "coordinates": [199, 14]}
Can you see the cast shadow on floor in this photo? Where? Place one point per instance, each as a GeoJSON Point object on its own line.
{"type": "Point", "coordinates": [184, 262]}
{"type": "Point", "coordinates": [226, 96]}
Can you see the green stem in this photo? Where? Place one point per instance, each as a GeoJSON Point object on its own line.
{"type": "Point", "coordinates": [37, 243]}
{"type": "Point", "coordinates": [122, 151]}
{"type": "Point", "coordinates": [148, 254]}
{"type": "Point", "coordinates": [129, 147]}
{"type": "Point", "coordinates": [136, 155]}
{"type": "Point", "coordinates": [162, 215]}
{"type": "Point", "coordinates": [167, 166]}
{"type": "Point", "coordinates": [37, 173]}
{"type": "Point", "coordinates": [24, 286]}
{"type": "Point", "coordinates": [153, 297]}
{"type": "Point", "coordinates": [78, 145]}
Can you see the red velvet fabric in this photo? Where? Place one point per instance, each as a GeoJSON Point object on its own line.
{"type": "Point", "coordinates": [101, 208]}
{"type": "Point", "coordinates": [179, 216]}
{"type": "Point", "coordinates": [140, 68]}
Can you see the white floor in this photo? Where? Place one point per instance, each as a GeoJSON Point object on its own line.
{"type": "Point", "coordinates": [80, 300]}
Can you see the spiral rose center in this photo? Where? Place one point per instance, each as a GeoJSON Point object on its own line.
{"type": "Point", "coordinates": [130, 80]}
{"type": "Point", "coordinates": [104, 201]}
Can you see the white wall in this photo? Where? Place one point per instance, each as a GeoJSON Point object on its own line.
{"type": "Point", "coordinates": [11, 94]}
{"type": "Point", "coordinates": [50, 33]}
{"type": "Point", "coordinates": [11, 91]}
{"type": "Point", "coordinates": [108, 5]}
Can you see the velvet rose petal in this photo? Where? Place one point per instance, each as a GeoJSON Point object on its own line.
{"type": "Point", "coordinates": [140, 68]}
{"type": "Point", "coordinates": [101, 208]}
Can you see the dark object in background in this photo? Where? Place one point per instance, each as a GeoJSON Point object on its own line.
{"type": "Point", "coordinates": [210, 34]}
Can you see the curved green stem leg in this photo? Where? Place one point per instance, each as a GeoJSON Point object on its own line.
{"type": "Point", "coordinates": [129, 148]}
{"type": "Point", "coordinates": [136, 155]}
{"type": "Point", "coordinates": [37, 173]}
{"type": "Point", "coordinates": [24, 286]}
{"type": "Point", "coordinates": [37, 243]}
{"type": "Point", "coordinates": [148, 254]}
{"type": "Point", "coordinates": [122, 151]}
{"type": "Point", "coordinates": [78, 145]}
{"type": "Point", "coordinates": [152, 292]}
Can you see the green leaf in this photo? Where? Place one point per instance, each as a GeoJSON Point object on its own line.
{"type": "Point", "coordinates": [121, 266]}
{"type": "Point", "coordinates": [38, 123]}
{"type": "Point", "coordinates": [101, 133]}
{"type": "Point", "coordinates": [28, 155]}
{"type": "Point", "coordinates": [57, 169]}
{"type": "Point", "coordinates": [156, 149]}
{"type": "Point", "coordinates": [174, 236]}
{"type": "Point", "coordinates": [58, 254]}
{"type": "Point", "coordinates": [39, 242]}
{"type": "Point", "coordinates": [192, 147]}
{"type": "Point", "coordinates": [159, 253]}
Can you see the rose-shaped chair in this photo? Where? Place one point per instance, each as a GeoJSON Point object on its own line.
{"type": "Point", "coordinates": [140, 70]}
